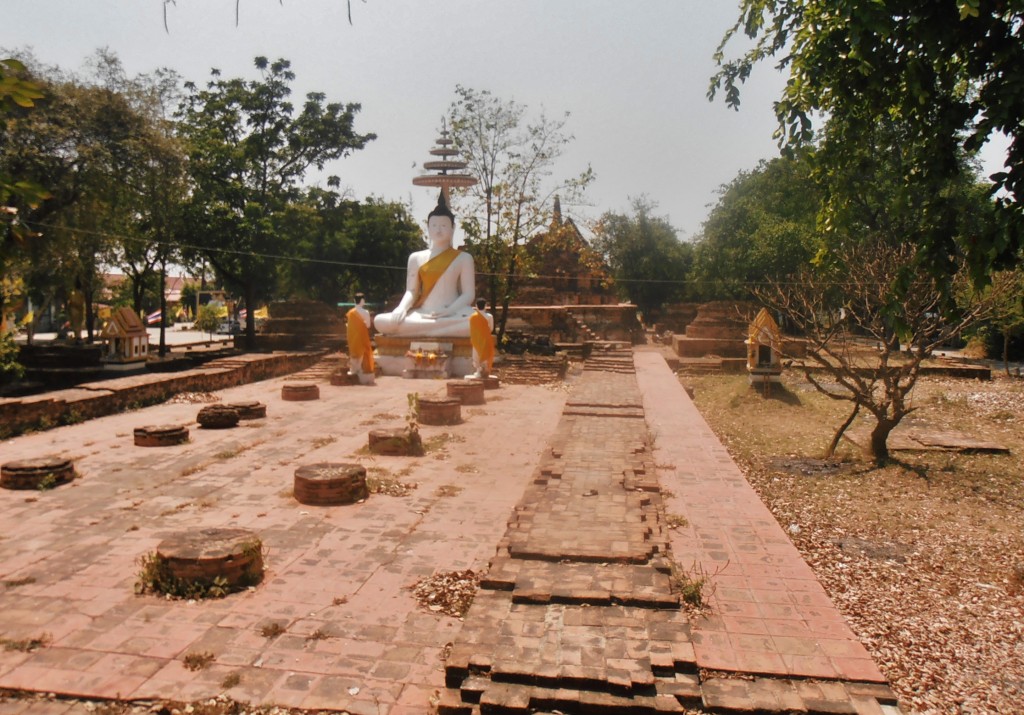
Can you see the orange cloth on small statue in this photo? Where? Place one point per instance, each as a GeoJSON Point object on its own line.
{"type": "Point", "coordinates": [432, 270]}
{"type": "Point", "coordinates": [359, 339]}
{"type": "Point", "coordinates": [481, 338]}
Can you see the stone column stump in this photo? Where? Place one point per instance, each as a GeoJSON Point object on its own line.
{"type": "Point", "coordinates": [251, 410]}
{"type": "Point", "coordinates": [330, 484]}
{"type": "Point", "coordinates": [491, 382]}
{"type": "Point", "coordinates": [218, 417]}
{"type": "Point", "coordinates": [41, 473]}
{"type": "Point", "coordinates": [160, 435]}
{"type": "Point", "coordinates": [440, 410]}
{"type": "Point", "coordinates": [400, 442]}
{"type": "Point", "coordinates": [300, 391]}
{"type": "Point", "coordinates": [226, 557]}
{"type": "Point", "coordinates": [469, 392]}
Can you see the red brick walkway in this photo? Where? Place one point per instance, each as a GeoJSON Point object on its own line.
{"type": "Point", "coordinates": [580, 611]}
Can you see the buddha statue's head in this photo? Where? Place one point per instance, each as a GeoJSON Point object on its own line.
{"type": "Point", "coordinates": [441, 222]}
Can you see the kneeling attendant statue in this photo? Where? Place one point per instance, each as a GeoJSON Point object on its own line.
{"type": "Point", "coordinates": [439, 287]}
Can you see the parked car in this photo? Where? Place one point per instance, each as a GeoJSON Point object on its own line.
{"type": "Point", "coordinates": [229, 327]}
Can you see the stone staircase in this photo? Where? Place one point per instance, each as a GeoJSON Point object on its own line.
{"type": "Point", "coordinates": [532, 369]}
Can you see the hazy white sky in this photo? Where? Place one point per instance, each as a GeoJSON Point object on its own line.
{"type": "Point", "coordinates": [632, 73]}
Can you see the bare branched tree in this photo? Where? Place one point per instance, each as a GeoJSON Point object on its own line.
{"type": "Point", "coordinates": [868, 337]}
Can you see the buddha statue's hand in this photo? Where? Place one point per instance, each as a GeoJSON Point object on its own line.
{"type": "Point", "coordinates": [399, 314]}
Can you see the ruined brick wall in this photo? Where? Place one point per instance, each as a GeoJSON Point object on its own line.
{"type": "Point", "coordinates": [106, 397]}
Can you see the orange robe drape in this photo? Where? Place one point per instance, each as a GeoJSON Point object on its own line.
{"type": "Point", "coordinates": [359, 345]}
{"type": "Point", "coordinates": [481, 338]}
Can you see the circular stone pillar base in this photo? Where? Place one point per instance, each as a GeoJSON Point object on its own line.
{"type": "Point", "coordinates": [41, 473]}
{"type": "Point", "coordinates": [396, 442]}
{"type": "Point", "coordinates": [300, 391]}
{"type": "Point", "coordinates": [440, 410]}
{"type": "Point", "coordinates": [217, 417]}
{"type": "Point", "coordinates": [249, 410]}
{"type": "Point", "coordinates": [470, 392]}
{"type": "Point", "coordinates": [160, 435]}
{"type": "Point", "coordinates": [231, 559]}
{"type": "Point", "coordinates": [330, 484]}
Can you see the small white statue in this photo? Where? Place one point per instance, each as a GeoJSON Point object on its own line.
{"type": "Point", "coordinates": [440, 286]}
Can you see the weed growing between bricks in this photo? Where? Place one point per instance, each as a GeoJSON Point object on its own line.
{"type": "Point", "coordinates": [198, 660]}
{"type": "Point", "coordinates": [693, 585]}
{"type": "Point", "coordinates": [26, 645]}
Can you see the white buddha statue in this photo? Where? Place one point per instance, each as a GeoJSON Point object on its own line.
{"type": "Point", "coordinates": [440, 286]}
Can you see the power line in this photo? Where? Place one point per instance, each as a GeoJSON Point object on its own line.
{"type": "Point", "coordinates": [353, 264]}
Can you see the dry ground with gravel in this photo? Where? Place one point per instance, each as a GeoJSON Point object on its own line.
{"type": "Point", "coordinates": [925, 557]}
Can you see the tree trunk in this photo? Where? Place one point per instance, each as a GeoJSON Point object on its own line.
{"type": "Point", "coordinates": [1006, 352]}
{"type": "Point", "coordinates": [830, 452]}
{"type": "Point", "coordinates": [163, 308]}
{"type": "Point", "coordinates": [250, 317]}
{"type": "Point", "coordinates": [878, 448]}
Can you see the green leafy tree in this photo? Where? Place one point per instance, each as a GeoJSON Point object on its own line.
{"type": "Point", "coordinates": [651, 266]}
{"type": "Point", "coordinates": [1008, 309]}
{"type": "Point", "coordinates": [17, 95]}
{"type": "Point", "coordinates": [348, 247]}
{"type": "Point", "coordinates": [946, 69]}
{"type": "Point", "coordinates": [763, 227]}
{"type": "Point", "coordinates": [86, 143]}
{"type": "Point", "coordinates": [208, 318]}
{"type": "Point", "coordinates": [513, 158]}
{"type": "Point", "coordinates": [248, 154]}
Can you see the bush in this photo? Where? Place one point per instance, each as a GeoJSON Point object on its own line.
{"type": "Point", "coordinates": [10, 368]}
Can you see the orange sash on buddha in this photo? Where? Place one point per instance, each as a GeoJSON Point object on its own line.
{"type": "Point", "coordinates": [359, 339]}
{"type": "Point", "coordinates": [431, 271]}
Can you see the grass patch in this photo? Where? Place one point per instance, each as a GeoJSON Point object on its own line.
{"type": "Point", "coordinates": [198, 660]}
{"type": "Point", "coordinates": [230, 681]}
{"type": "Point", "coordinates": [676, 521]}
{"type": "Point", "coordinates": [440, 441]}
{"type": "Point", "coordinates": [272, 630]}
{"type": "Point", "coordinates": [693, 585]}
{"type": "Point", "coordinates": [448, 490]}
{"type": "Point", "coordinates": [319, 442]}
{"type": "Point", "coordinates": [26, 645]}
{"type": "Point", "coordinates": [319, 635]}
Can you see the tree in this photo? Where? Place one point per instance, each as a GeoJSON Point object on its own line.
{"type": "Point", "coordinates": [1008, 309]}
{"type": "Point", "coordinates": [947, 69]}
{"type": "Point", "coordinates": [87, 143]}
{"type": "Point", "coordinates": [651, 266]}
{"type": "Point", "coordinates": [763, 226]}
{"type": "Point", "coordinates": [866, 280]}
{"type": "Point", "coordinates": [513, 159]}
{"type": "Point", "coordinates": [16, 95]}
{"type": "Point", "coordinates": [248, 155]}
{"type": "Point", "coordinates": [349, 247]}
{"type": "Point", "coordinates": [870, 339]}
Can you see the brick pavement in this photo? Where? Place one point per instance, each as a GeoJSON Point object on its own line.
{"type": "Point", "coordinates": [579, 611]}
{"type": "Point", "coordinates": [566, 498]}
{"type": "Point", "coordinates": [69, 556]}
